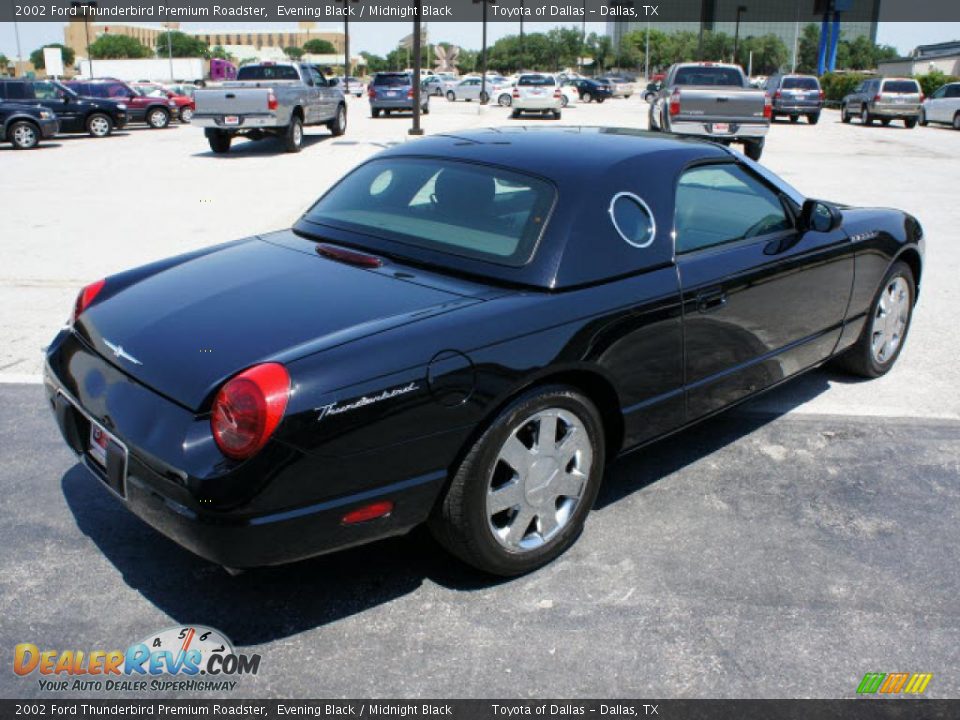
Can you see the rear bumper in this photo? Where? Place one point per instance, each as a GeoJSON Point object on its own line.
{"type": "Point", "coordinates": [399, 104]}
{"type": "Point", "coordinates": [244, 122]}
{"type": "Point", "coordinates": [144, 472]}
{"type": "Point", "coordinates": [797, 108]}
{"type": "Point", "coordinates": [705, 129]}
{"type": "Point", "coordinates": [536, 105]}
{"type": "Point", "coordinates": [892, 110]}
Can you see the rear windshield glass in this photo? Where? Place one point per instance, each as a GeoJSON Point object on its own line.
{"type": "Point", "coordinates": [391, 80]}
{"type": "Point", "coordinates": [533, 80]}
{"type": "Point", "coordinates": [708, 76]}
{"type": "Point", "coordinates": [463, 209]}
{"type": "Point", "coordinates": [267, 72]}
{"type": "Point", "coordinates": [901, 86]}
{"type": "Point", "coordinates": [800, 83]}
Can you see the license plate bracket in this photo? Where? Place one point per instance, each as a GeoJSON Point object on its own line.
{"type": "Point", "coordinates": [721, 128]}
{"type": "Point", "coordinates": [231, 119]}
{"type": "Point", "coordinates": [109, 457]}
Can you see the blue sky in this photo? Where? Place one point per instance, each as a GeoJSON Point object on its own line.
{"type": "Point", "coordinates": [381, 37]}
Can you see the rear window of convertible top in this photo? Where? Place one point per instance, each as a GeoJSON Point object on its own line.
{"type": "Point", "coordinates": [465, 209]}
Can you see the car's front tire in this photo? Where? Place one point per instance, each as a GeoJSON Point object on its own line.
{"type": "Point", "coordinates": [956, 121]}
{"type": "Point", "coordinates": [586, 97]}
{"type": "Point", "coordinates": [186, 114]}
{"type": "Point", "coordinates": [338, 126]}
{"type": "Point", "coordinates": [887, 324]}
{"type": "Point", "coordinates": [520, 496]}
{"type": "Point", "coordinates": [23, 135]}
{"type": "Point", "coordinates": [99, 125]}
{"type": "Point", "coordinates": [505, 100]}
{"type": "Point", "coordinates": [922, 119]}
{"type": "Point", "coordinates": [293, 136]}
{"type": "Point", "coordinates": [451, 96]}
{"type": "Point", "coordinates": [158, 118]}
{"type": "Point", "coordinates": [844, 115]}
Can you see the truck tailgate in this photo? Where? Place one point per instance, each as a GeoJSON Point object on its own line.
{"type": "Point", "coordinates": [231, 101]}
{"type": "Point", "coordinates": [723, 104]}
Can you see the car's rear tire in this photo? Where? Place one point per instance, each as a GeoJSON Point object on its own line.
{"type": "Point", "coordinates": [521, 494]}
{"type": "Point", "coordinates": [564, 101]}
{"type": "Point", "coordinates": [23, 135]}
{"type": "Point", "coordinates": [600, 100]}
{"type": "Point", "coordinates": [158, 118]}
{"type": "Point", "coordinates": [374, 112]}
{"type": "Point", "coordinates": [910, 123]}
{"type": "Point", "coordinates": [557, 114]}
{"type": "Point", "coordinates": [293, 135]}
{"type": "Point", "coordinates": [794, 118]}
{"type": "Point", "coordinates": [514, 114]}
{"type": "Point", "coordinates": [813, 118]}
{"type": "Point", "coordinates": [865, 117]}
{"type": "Point", "coordinates": [586, 97]}
{"type": "Point", "coordinates": [885, 122]}
{"type": "Point", "coordinates": [338, 126]}
{"type": "Point", "coordinates": [753, 149]}
{"type": "Point", "coordinates": [956, 121]}
{"type": "Point", "coordinates": [99, 125]}
{"type": "Point", "coordinates": [219, 141]}
{"type": "Point", "coordinates": [505, 100]}
{"type": "Point", "coordinates": [425, 110]}
{"type": "Point", "coordinates": [844, 115]}
{"type": "Point", "coordinates": [886, 327]}
{"type": "Point", "coordinates": [484, 98]}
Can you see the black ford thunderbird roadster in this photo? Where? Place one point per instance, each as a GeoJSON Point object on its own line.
{"type": "Point", "coordinates": [464, 331]}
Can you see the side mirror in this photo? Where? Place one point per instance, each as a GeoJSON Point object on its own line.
{"type": "Point", "coordinates": [332, 82]}
{"type": "Point", "coordinates": [820, 216]}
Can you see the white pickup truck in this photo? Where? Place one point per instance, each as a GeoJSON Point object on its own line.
{"type": "Point", "coordinates": [713, 101]}
{"type": "Point", "coordinates": [270, 99]}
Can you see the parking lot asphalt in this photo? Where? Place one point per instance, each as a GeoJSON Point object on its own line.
{"type": "Point", "coordinates": [782, 549]}
{"type": "Point", "coordinates": [755, 556]}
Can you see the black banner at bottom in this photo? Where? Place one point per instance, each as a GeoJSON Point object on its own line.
{"type": "Point", "coordinates": [859, 709]}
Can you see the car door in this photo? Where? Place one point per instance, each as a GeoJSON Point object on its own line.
{"type": "Point", "coordinates": [324, 95]}
{"type": "Point", "coordinates": [951, 102]}
{"type": "Point", "coordinates": [761, 299]}
{"type": "Point", "coordinates": [934, 107]}
{"type": "Point", "coordinates": [50, 96]}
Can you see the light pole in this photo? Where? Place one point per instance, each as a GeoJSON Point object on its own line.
{"type": "Point", "coordinates": [523, 54]}
{"type": "Point", "coordinates": [741, 9]}
{"type": "Point", "coordinates": [87, 5]}
{"type": "Point", "coordinates": [483, 52]}
{"type": "Point", "coordinates": [16, 32]}
{"type": "Point", "coordinates": [646, 56]}
{"type": "Point", "coordinates": [583, 36]}
{"type": "Point", "coordinates": [417, 62]}
{"type": "Point", "coordinates": [346, 39]}
{"type": "Point", "coordinates": [170, 49]}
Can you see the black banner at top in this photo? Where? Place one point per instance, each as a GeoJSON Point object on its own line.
{"type": "Point", "coordinates": [709, 12]}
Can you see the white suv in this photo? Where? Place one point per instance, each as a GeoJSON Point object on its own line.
{"type": "Point", "coordinates": [536, 93]}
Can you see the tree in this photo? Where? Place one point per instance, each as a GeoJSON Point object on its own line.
{"type": "Point", "coordinates": [4, 63]}
{"type": "Point", "coordinates": [600, 47]}
{"type": "Point", "coordinates": [294, 53]}
{"type": "Point", "coordinates": [808, 48]}
{"type": "Point", "coordinates": [181, 45]}
{"type": "Point", "coordinates": [375, 63]}
{"type": "Point", "coordinates": [118, 46]}
{"type": "Point", "coordinates": [318, 46]}
{"type": "Point", "coordinates": [769, 54]}
{"type": "Point", "coordinates": [36, 57]}
{"type": "Point", "coordinates": [468, 60]}
{"type": "Point", "coordinates": [220, 53]}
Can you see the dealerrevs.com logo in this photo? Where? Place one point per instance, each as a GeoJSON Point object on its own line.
{"type": "Point", "coordinates": [175, 659]}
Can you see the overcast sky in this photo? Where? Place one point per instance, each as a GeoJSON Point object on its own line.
{"type": "Point", "coordinates": [380, 38]}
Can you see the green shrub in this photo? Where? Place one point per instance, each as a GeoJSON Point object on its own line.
{"type": "Point", "coordinates": [933, 80]}
{"type": "Point", "coordinates": [837, 85]}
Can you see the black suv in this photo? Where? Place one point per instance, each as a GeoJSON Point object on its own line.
{"type": "Point", "coordinates": [24, 125]}
{"type": "Point", "coordinates": [76, 114]}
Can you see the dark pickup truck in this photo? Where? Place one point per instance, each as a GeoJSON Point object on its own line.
{"type": "Point", "coordinates": [713, 101]}
{"type": "Point", "coordinates": [76, 114]}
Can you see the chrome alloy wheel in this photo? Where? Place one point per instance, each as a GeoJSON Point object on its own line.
{"type": "Point", "coordinates": [538, 479]}
{"type": "Point", "coordinates": [890, 320]}
{"type": "Point", "coordinates": [24, 135]}
{"type": "Point", "coordinates": [297, 134]}
{"type": "Point", "coordinates": [100, 126]}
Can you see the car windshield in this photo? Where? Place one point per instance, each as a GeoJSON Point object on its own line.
{"type": "Point", "coordinates": [464, 209]}
{"type": "Point", "coordinates": [800, 83]}
{"type": "Point", "coordinates": [398, 80]}
{"type": "Point", "coordinates": [536, 80]}
{"type": "Point", "coordinates": [703, 75]}
{"type": "Point", "coordinates": [267, 72]}
{"type": "Point", "coordinates": [901, 86]}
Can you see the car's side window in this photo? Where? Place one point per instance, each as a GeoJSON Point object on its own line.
{"type": "Point", "coordinates": [45, 90]}
{"type": "Point", "coordinates": [722, 203]}
{"type": "Point", "coordinates": [953, 91]}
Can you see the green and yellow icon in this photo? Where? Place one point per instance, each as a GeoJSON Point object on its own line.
{"type": "Point", "coordinates": [893, 683]}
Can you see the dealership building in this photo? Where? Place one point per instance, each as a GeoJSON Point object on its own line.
{"type": "Point", "coordinates": [783, 18]}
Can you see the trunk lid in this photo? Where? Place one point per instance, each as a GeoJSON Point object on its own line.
{"type": "Point", "coordinates": [187, 327]}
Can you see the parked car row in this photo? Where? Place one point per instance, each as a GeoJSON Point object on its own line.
{"type": "Point", "coordinates": [96, 107]}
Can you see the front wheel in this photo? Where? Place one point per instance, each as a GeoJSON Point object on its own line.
{"type": "Point", "coordinates": [186, 114]}
{"type": "Point", "coordinates": [293, 137]}
{"type": "Point", "coordinates": [451, 96]}
{"type": "Point", "coordinates": [99, 125]}
{"type": "Point", "coordinates": [564, 101]}
{"type": "Point", "coordinates": [23, 135]}
{"type": "Point", "coordinates": [338, 126]}
{"type": "Point", "coordinates": [600, 100]}
{"type": "Point", "coordinates": [520, 497]}
{"type": "Point", "coordinates": [844, 115]}
{"type": "Point", "coordinates": [158, 118]}
{"type": "Point", "coordinates": [586, 97]}
{"type": "Point", "coordinates": [923, 117]}
{"type": "Point", "coordinates": [956, 121]}
{"type": "Point", "coordinates": [885, 331]}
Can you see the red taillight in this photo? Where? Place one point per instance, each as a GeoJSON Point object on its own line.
{"type": "Point", "coordinates": [410, 94]}
{"type": "Point", "coordinates": [271, 101]}
{"type": "Point", "coordinates": [822, 96]}
{"type": "Point", "coordinates": [85, 297]}
{"type": "Point", "coordinates": [768, 108]}
{"type": "Point", "coordinates": [516, 93]}
{"type": "Point", "coordinates": [922, 97]}
{"type": "Point", "coordinates": [777, 95]}
{"type": "Point", "coordinates": [371, 93]}
{"type": "Point", "coordinates": [368, 512]}
{"type": "Point", "coordinates": [675, 102]}
{"type": "Point", "coordinates": [556, 93]}
{"type": "Point", "coordinates": [248, 409]}
{"type": "Point", "coordinates": [878, 97]}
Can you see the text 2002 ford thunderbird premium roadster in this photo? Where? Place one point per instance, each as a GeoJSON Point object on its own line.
{"type": "Point", "coordinates": [463, 331]}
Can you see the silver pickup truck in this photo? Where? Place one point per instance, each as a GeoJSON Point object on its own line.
{"type": "Point", "coordinates": [270, 99]}
{"type": "Point", "coordinates": [713, 101]}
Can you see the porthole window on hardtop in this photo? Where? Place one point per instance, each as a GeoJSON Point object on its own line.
{"type": "Point", "coordinates": [632, 219]}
